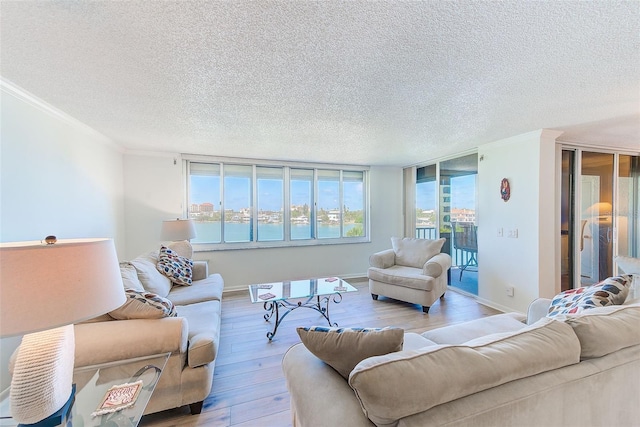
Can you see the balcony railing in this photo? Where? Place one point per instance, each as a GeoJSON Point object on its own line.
{"type": "Point", "coordinates": [459, 257]}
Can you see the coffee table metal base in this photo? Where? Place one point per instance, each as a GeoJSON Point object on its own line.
{"type": "Point", "coordinates": [317, 303]}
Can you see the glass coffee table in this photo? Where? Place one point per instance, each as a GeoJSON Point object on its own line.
{"type": "Point", "coordinates": [315, 294]}
{"type": "Point", "coordinates": [92, 383]}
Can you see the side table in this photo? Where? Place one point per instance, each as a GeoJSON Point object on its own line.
{"type": "Point", "coordinates": [92, 383]}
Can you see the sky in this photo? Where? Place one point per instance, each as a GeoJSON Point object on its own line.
{"type": "Point", "coordinates": [463, 193]}
{"type": "Point", "coordinates": [207, 189]}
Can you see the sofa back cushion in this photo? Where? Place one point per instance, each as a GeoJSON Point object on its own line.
{"type": "Point", "coordinates": [415, 252]}
{"type": "Point", "coordinates": [398, 385]}
{"type": "Point", "coordinates": [604, 330]}
{"type": "Point", "coordinates": [152, 280]}
{"type": "Point", "coordinates": [130, 278]}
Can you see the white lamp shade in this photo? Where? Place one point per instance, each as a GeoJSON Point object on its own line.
{"type": "Point", "coordinates": [178, 229]}
{"type": "Point", "coordinates": [43, 286]}
{"type": "Point", "coordinates": [599, 209]}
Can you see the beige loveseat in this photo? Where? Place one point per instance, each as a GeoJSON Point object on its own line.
{"type": "Point", "coordinates": [495, 371]}
{"type": "Point", "coordinates": [192, 336]}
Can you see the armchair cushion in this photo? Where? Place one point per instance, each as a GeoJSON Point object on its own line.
{"type": "Point", "coordinates": [415, 253]}
{"type": "Point", "coordinates": [407, 277]}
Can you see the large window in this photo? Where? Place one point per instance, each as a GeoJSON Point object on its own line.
{"type": "Point", "coordinates": [250, 205]}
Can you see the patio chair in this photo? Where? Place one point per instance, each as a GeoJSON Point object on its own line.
{"type": "Point", "coordinates": [465, 238]}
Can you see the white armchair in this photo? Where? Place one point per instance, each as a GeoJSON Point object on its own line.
{"type": "Point", "coordinates": [413, 271]}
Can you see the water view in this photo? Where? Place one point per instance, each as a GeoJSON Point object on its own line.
{"type": "Point", "coordinates": [209, 231]}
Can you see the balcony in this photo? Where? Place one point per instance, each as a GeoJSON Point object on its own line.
{"type": "Point", "coordinates": [469, 281]}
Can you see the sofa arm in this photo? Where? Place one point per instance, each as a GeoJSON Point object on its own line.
{"type": "Point", "coordinates": [437, 265]}
{"type": "Point", "coordinates": [102, 342]}
{"type": "Point", "coordinates": [200, 270]}
{"type": "Point", "coordinates": [537, 310]}
{"type": "Point", "coordinates": [383, 259]}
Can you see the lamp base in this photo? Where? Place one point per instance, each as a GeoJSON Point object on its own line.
{"type": "Point", "coordinates": [58, 418]}
{"type": "Point", "coordinates": [42, 375]}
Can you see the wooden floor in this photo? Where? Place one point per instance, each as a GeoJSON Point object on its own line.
{"type": "Point", "coordinates": [248, 384]}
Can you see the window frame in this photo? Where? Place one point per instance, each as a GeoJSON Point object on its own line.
{"type": "Point", "coordinates": [287, 241]}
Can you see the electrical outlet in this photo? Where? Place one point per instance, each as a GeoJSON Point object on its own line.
{"type": "Point", "coordinates": [500, 232]}
{"type": "Point", "coordinates": [510, 291]}
{"type": "Point", "coordinates": [512, 233]}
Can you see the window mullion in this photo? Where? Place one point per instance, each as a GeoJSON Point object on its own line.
{"type": "Point", "coordinates": [341, 202]}
{"type": "Point", "coordinates": [286, 194]}
{"type": "Point", "coordinates": [222, 208]}
{"type": "Point", "coordinates": [253, 233]}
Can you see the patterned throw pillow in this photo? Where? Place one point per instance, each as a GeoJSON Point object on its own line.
{"type": "Point", "coordinates": [344, 348]}
{"type": "Point", "coordinates": [177, 268]}
{"type": "Point", "coordinates": [611, 291]}
{"type": "Point", "coordinates": [143, 305]}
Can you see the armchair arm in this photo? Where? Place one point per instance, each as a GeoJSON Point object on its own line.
{"type": "Point", "coordinates": [537, 310]}
{"type": "Point", "coordinates": [102, 342]}
{"type": "Point", "coordinates": [383, 259]}
{"type": "Point", "coordinates": [200, 270]}
{"type": "Point", "coordinates": [437, 265]}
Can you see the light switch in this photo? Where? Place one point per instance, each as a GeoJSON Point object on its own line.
{"type": "Point", "coordinates": [500, 232]}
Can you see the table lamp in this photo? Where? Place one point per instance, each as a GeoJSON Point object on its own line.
{"type": "Point", "coordinates": [45, 287]}
{"type": "Point", "coordinates": [179, 231]}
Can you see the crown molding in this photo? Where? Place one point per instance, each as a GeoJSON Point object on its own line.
{"type": "Point", "coordinates": [19, 93]}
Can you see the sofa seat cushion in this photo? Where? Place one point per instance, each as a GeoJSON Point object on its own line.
{"type": "Point", "coordinates": [469, 368]}
{"type": "Point", "coordinates": [208, 289]}
{"type": "Point", "coordinates": [606, 329]}
{"type": "Point", "coordinates": [203, 319]}
{"type": "Point", "coordinates": [152, 280]}
{"type": "Point", "coordinates": [399, 275]}
{"type": "Point", "coordinates": [463, 332]}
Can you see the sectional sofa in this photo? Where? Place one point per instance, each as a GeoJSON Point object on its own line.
{"type": "Point", "coordinates": [508, 370]}
{"type": "Point", "coordinates": [185, 322]}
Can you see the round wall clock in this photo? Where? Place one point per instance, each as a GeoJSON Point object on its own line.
{"type": "Point", "coordinates": [505, 189]}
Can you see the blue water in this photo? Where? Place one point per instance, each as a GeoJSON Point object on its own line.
{"type": "Point", "coordinates": [209, 232]}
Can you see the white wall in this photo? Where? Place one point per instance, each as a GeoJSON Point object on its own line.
{"type": "Point", "coordinates": [56, 177]}
{"type": "Point", "coordinates": [154, 192]}
{"type": "Point", "coordinates": [528, 262]}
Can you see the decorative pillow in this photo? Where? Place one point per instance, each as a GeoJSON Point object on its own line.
{"type": "Point", "coordinates": [611, 291]}
{"type": "Point", "coordinates": [143, 305]}
{"type": "Point", "coordinates": [415, 252]}
{"type": "Point", "coordinates": [130, 278]}
{"type": "Point", "coordinates": [177, 268]}
{"type": "Point", "coordinates": [344, 348]}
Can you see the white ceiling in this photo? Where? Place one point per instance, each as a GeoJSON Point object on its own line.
{"type": "Point", "coordinates": [361, 82]}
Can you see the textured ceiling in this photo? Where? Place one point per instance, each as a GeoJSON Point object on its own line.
{"type": "Point", "coordinates": [380, 83]}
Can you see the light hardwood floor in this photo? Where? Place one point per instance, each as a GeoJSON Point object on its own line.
{"type": "Point", "coordinates": [248, 384]}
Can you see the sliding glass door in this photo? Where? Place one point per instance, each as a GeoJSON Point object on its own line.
{"type": "Point", "coordinates": [600, 197]}
{"type": "Point", "coordinates": [445, 196]}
